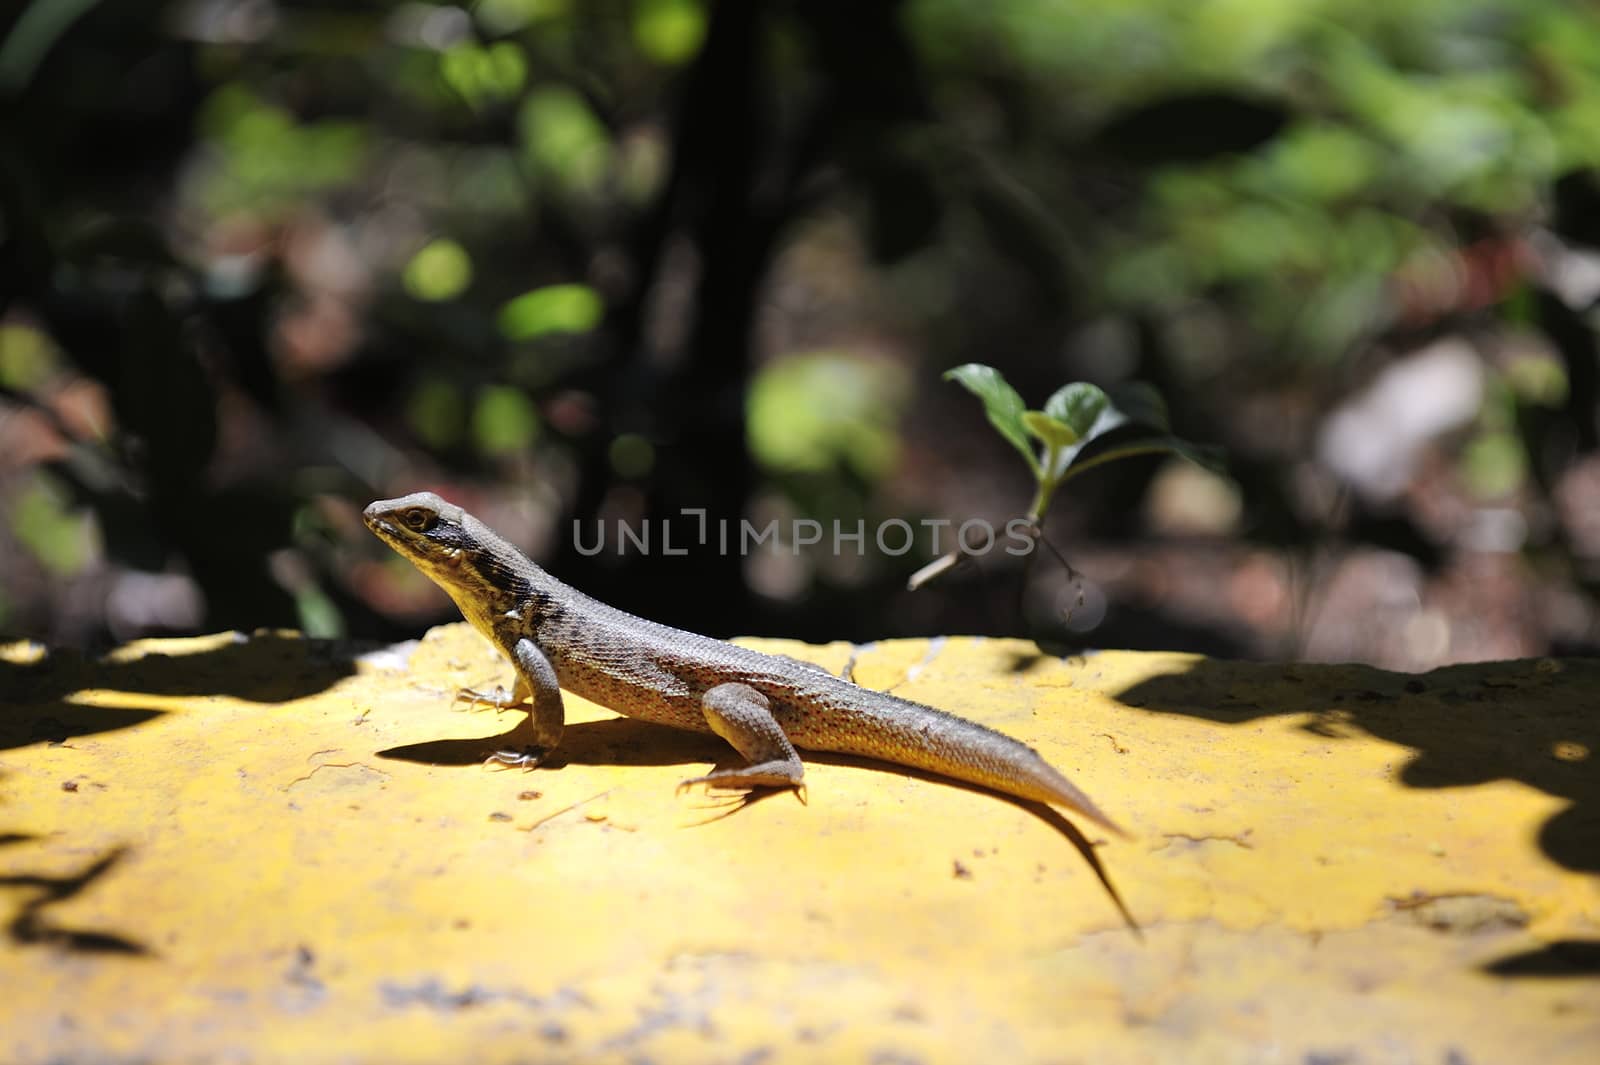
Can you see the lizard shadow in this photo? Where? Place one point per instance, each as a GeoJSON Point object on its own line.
{"type": "Point", "coordinates": [618, 741]}
{"type": "Point", "coordinates": [625, 741]}
{"type": "Point", "coordinates": [1052, 817]}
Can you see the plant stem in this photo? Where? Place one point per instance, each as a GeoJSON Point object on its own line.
{"type": "Point", "coordinates": [1049, 481]}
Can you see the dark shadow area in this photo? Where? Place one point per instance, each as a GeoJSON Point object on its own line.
{"type": "Point", "coordinates": [37, 707]}
{"type": "Point", "coordinates": [626, 742]}
{"type": "Point", "coordinates": [1531, 721]}
{"type": "Point", "coordinates": [1137, 628]}
{"type": "Point", "coordinates": [1022, 663]}
{"type": "Point", "coordinates": [32, 925]}
{"type": "Point", "coordinates": [1047, 651]}
{"type": "Point", "coordinates": [24, 725]}
{"type": "Point", "coordinates": [1564, 957]}
{"type": "Point", "coordinates": [618, 741]}
{"type": "Point", "coordinates": [725, 805]}
{"type": "Point", "coordinates": [263, 668]}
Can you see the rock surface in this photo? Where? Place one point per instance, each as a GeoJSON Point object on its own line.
{"type": "Point", "coordinates": [265, 848]}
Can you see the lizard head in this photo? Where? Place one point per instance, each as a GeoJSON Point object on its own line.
{"type": "Point", "coordinates": [460, 554]}
{"type": "Point", "coordinates": [424, 528]}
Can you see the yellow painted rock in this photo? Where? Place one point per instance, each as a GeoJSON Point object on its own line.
{"type": "Point", "coordinates": [266, 849]}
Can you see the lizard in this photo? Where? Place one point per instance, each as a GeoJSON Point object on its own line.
{"type": "Point", "coordinates": [764, 705]}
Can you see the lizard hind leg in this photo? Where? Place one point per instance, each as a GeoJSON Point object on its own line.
{"type": "Point", "coordinates": [743, 716]}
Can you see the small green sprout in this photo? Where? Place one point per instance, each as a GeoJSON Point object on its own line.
{"type": "Point", "coordinates": [1080, 427]}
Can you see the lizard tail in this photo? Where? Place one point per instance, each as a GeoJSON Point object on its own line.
{"type": "Point", "coordinates": [922, 737]}
{"type": "Point", "coordinates": [1056, 789]}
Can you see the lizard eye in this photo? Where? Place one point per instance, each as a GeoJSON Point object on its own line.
{"type": "Point", "coordinates": [418, 519]}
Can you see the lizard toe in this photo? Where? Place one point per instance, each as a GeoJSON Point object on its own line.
{"type": "Point", "coordinates": [498, 699]}
{"type": "Point", "coordinates": [527, 758]}
{"type": "Point", "coordinates": [767, 776]}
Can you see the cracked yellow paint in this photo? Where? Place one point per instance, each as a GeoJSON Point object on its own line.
{"type": "Point", "coordinates": [263, 849]}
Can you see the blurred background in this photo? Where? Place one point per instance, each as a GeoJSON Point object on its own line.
{"type": "Point", "coordinates": [262, 261]}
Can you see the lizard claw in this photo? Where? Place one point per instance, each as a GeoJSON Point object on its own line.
{"type": "Point", "coordinates": [527, 758]}
{"type": "Point", "coordinates": [714, 786]}
{"type": "Point", "coordinates": [498, 700]}
{"type": "Point", "coordinates": [738, 782]}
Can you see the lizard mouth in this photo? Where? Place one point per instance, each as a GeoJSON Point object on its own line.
{"type": "Point", "coordinates": [379, 526]}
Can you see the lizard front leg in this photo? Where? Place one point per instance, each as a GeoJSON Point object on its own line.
{"type": "Point", "coordinates": [536, 685]}
{"type": "Point", "coordinates": [498, 700]}
{"type": "Point", "coordinates": [743, 716]}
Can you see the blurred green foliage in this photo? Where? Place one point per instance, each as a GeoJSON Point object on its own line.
{"type": "Point", "coordinates": [819, 411]}
{"type": "Point", "coordinates": [260, 261]}
{"type": "Point", "coordinates": [669, 31]}
{"type": "Point", "coordinates": [437, 413]}
{"type": "Point", "coordinates": [27, 358]}
{"type": "Point", "coordinates": [632, 456]}
{"type": "Point", "coordinates": [551, 309]}
{"type": "Point", "coordinates": [43, 519]}
{"type": "Point", "coordinates": [504, 421]}
{"type": "Point", "coordinates": [485, 75]}
{"type": "Point", "coordinates": [1359, 122]}
{"type": "Point", "coordinates": [564, 141]}
{"type": "Point", "coordinates": [265, 160]}
{"type": "Point", "coordinates": [441, 270]}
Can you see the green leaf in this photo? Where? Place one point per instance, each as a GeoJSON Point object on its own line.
{"type": "Point", "coordinates": [551, 309]}
{"type": "Point", "coordinates": [320, 617]}
{"type": "Point", "coordinates": [28, 357]}
{"type": "Point", "coordinates": [43, 521]}
{"type": "Point", "coordinates": [1140, 402]}
{"type": "Point", "coordinates": [1494, 464]}
{"type": "Point", "coordinates": [504, 421]}
{"type": "Point", "coordinates": [826, 410]}
{"type": "Point", "coordinates": [1052, 431]}
{"type": "Point", "coordinates": [564, 139]}
{"type": "Point", "coordinates": [1138, 417]}
{"type": "Point", "coordinates": [1079, 405]}
{"type": "Point", "coordinates": [1209, 458]}
{"type": "Point", "coordinates": [442, 270]}
{"type": "Point", "coordinates": [485, 75]}
{"type": "Point", "coordinates": [1001, 404]}
{"type": "Point", "coordinates": [669, 31]}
